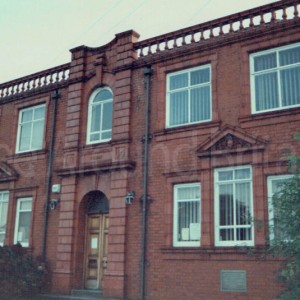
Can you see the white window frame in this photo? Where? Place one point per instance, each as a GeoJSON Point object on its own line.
{"type": "Point", "coordinates": [176, 242]}
{"type": "Point", "coordinates": [18, 211]}
{"type": "Point", "coordinates": [277, 69]}
{"type": "Point", "coordinates": [4, 196]}
{"type": "Point", "coordinates": [21, 111]}
{"type": "Point", "coordinates": [270, 202]}
{"type": "Point", "coordinates": [188, 88]}
{"type": "Point", "coordinates": [233, 243]}
{"type": "Point", "coordinates": [89, 125]}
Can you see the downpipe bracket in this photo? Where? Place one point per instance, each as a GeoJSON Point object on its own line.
{"type": "Point", "coordinates": [150, 137]}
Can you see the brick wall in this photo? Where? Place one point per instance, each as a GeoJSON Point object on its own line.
{"type": "Point", "coordinates": [194, 273]}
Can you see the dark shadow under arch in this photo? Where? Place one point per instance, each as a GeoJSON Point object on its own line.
{"type": "Point", "coordinates": [96, 203]}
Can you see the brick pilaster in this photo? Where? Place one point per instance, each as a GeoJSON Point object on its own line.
{"type": "Point", "coordinates": [63, 267]}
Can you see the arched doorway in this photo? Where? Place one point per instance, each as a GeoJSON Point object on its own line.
{"type": "Point", "coordinates": [97, 222]}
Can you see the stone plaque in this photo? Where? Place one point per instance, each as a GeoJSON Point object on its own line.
{"type": "Point", "coordinates": [233, 281]}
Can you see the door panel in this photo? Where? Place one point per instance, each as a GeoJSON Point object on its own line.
{"type": "Point", "coordinates": [96, 250]}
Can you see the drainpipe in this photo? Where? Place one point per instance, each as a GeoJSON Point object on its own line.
{"type": "Point", "coordinates": [54, 96]}
{"type": "Point", "coordinates": [147, 73]}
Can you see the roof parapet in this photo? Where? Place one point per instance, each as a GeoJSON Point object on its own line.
{"type": "Point", "coordinates": [53, 76]}
{"type": "Point", "coordinates": [280, 11]}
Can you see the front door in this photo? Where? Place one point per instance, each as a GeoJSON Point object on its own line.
{"type": "Point", "coordinates": [96, 250]}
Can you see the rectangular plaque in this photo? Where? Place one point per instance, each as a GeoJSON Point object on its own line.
{"type": "Point", "coordinates": [233, 281]}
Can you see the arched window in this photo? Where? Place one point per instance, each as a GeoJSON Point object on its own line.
{"type": "Point", "coordinates": [100, 116]}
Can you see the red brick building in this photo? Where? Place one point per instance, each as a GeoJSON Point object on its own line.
{"type": "Point", "coordinates": [191, 128]}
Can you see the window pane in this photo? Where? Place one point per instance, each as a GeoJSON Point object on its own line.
{"type": "Point", "coordinates": [95, 137]}
{"type": "Point", "coordinates": [242, 173]}
{"type": "Point", "coordinates": [179, 108]}
{"type": "Point", "coordinates": [188, 221]}
{"type": "Point", "coordinates": [2, 237]}
{"type": "Point", "coordinates": [277, 185]}
{"type": "Point", "coordinates": [226, 235]}
{"type": "Point", "coordinates": [243, 234]}
{"type": "Point", "coordinates": [226, 204]}
{"type": "Point", "coordinates": [188, 193]}
{"type": "Point", "coordinates": [4, 196]}
{"type": "Point", "coordinates": [107, 116]}
{"type": "Point", "coordinates": [265, 62]}
{"type": "Point", "coordinates": [179, 81]}
{"type": "Point", "coordinates": [106, 135]}
{"type": "Point", "coordinates": [266, 91]}
{"type": "Point", "coordinates": [26, 115]}
{"type": "Point", "coordinates": [25, 205]}
{"type": "Point", "coordinates": [243, 216]}
{"type": "Point", "coordinates": [37, 135]}
{"type": "Point", "coordinates": [103, 95]}
{"type": "Point", "coordinates": [289, 56]}
{"type": "Point", "coordinates": [200, 76]}
{"type": "Point", "coordinates": [25, 137]}
{"type": "Point", "coordinates": [290, 86]}
{"type": "Point", "coordinates": [225, 175]}
{"type": "Point", "coordinates": [39, 113]}
{"type": "Point", "coordinates": [96, 117]}
{"type": "Point", "coordinates": [200, 104]}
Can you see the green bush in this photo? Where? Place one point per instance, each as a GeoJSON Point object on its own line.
{"type": "Point", "coordinates": [22, 276]}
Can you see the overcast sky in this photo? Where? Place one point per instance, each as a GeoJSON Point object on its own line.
{"type": "Point", "coordinates": [37, 34]}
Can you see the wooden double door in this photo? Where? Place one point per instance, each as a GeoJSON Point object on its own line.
{"type": "Point", "coordinates": [95, 250]}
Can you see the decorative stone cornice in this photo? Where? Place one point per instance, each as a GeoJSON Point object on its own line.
{"type": "Point", "coordinates": [96, 169]}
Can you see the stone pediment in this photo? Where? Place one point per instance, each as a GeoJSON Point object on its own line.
{"type": "Point", "coordinates": [230, 139]}
{"type": "Point", "coordinates": [7, 172]}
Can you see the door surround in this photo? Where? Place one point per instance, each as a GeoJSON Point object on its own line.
{"type": "Point", "coordinates": [96, 237]}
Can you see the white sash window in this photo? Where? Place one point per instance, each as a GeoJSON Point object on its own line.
{"type": "Point", "coordinates": [3, 215]}
{"type": "Point", "coordinates": [189, 96]}
{"type": "Point", "coordinates": [233, 206]}
{"type": "Point", "coordinates": [187, 220]}
{"type": "Point", "coordinates": [275, 79]}
{"type": "Point", "coordinates": [31, 129]}
{"type": "Point", "coordinates": [23, 221]}
{"type": "Point", "coordinates": [275, 184]}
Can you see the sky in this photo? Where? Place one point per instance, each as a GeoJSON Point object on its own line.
{"type": "Point", "coordinates": [37, 34]}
